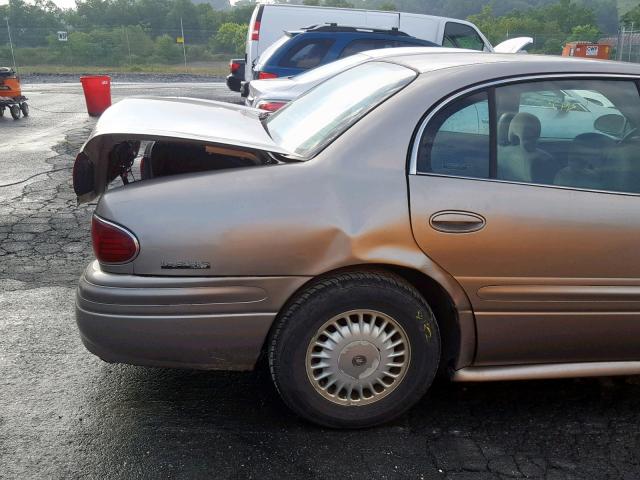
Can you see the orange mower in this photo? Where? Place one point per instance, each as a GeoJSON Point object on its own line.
{"type": "Point", "coordinates": [11, 95]}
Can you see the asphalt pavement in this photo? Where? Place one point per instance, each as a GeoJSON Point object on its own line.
{"type": "Point", "coordinates": [66, 414]}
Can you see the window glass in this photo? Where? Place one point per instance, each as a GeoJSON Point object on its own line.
{"type": "Point", "coordinates": [266, 55]}
{"type": "Point", "coordinates": [365, 44]}
{"type": "Point", "coordinates": [457, 142]}
{"type": "Point", "coordinates": [308, 54]}
{"type": "Point", "coordinates": [573, 133]}
{"type": "Point", "coordinates": [458, 35]}
{"type": "Point", "coordinates": [314, 120]}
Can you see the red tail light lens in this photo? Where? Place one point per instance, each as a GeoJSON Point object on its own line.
{"type": "Point", "coordinates": [112, 243]}
{"type": "Point", "coordinates": [270, 106]}
{"type": "Point", "coordinates": [266, 75]}
{"type": "Point", "coordinates": [255, 34]}
{"type": "Point", "coordinates": [234, 67]}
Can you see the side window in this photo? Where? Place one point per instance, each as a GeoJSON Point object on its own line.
{"type": "Point", "coordinates": [457, 141]}
{"type": "Point", "coordinates": [572, 133]}
{"type": "Point", "coordinates": [458, 35]}
{"type": "Point", "coordinates": [576, 133]}
{"type": "Point", "coordinates": [306, 54]}
{"type": "Point", "coordinates": [364, 44]}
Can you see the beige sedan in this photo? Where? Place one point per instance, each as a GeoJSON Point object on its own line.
{"type": "Point", "coordinates": [473, 214]}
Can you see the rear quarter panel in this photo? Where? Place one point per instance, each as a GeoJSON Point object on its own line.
{"type": "Point", "coordinates": [347, 206]}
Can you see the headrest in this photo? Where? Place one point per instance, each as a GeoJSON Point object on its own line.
{"type": "Point", "coordinates": [524, 130]}
{"type": "Point", "coordinates": [503, 127]}
{"type": "Point", "coordinates": [587, 148]}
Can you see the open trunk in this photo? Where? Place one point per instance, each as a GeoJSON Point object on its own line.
{"type": "Point", "coordinates": [170, 136]}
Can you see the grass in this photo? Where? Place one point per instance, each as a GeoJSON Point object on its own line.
{"type": "Point", "coordinates": [218, 69]}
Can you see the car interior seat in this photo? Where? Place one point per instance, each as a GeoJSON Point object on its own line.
{"type": "Point", "coordinates": [584, 161]}
{"type": "Point", "coordinates": [621, 171]}
{"type": "Point", "coordinates": [503, 127]}
{"type": "Point", "coordinates": [521, 160]}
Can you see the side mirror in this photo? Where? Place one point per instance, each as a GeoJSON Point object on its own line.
{"type": "Point", "coordinates": [610, 124]}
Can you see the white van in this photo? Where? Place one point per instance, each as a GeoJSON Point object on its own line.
{"type": "Point", "coordinates": [269, 21]}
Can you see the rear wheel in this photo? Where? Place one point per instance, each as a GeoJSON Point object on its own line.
{"type": "Point", "coordinates": [354, 350]}
{"type": "Point", "coordinates": [15, 111]}
{"type": "Point", "coordinates": [24, 106]}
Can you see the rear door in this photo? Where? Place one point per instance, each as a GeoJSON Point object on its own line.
{"type": "Point", "coordinates": [550, 261]}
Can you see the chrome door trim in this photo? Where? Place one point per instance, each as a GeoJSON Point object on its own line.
{"type": "Point", "coordinates": [545, 371]}
{"type": "Point", "coordinates": [413, 162]}
{"type": "Point", "coordinates": [559, 293]}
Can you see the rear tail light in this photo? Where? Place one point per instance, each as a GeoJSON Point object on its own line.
{"type": "Point", "coordinates": [270, 106]}
{"type": "Point", "coordinates": [255, 34]}
{"type": "Point", "coordinates": [112, 243]}
{"type": "Point", "coordinates": [234, 67]}
{"type": "Point", "coordinates": [266, 75]}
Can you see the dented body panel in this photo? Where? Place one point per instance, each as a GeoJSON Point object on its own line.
{"type": "Point", "coordinates": [347, 207]}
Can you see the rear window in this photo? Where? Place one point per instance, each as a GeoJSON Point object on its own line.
{"type": "Point", "coordinates": [306, 54]}
{"type": "Point", "coordinates": [310, 123]}
{"type": "Point", "coordinates": [264, 58]}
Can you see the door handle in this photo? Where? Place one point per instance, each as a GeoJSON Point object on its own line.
{"type": "Point", "coordinates": [454, 221]}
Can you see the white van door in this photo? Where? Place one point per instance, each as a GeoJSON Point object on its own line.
{"type": "Point", "coordinates": [422, 26]}
{"type": "Point", "coordinates": [381, 20]}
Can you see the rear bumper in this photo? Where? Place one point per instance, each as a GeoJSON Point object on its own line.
{"type": "Point", "coordinates": [191, 322]}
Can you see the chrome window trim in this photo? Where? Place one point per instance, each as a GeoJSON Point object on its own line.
{"type": "Point", "coordinates": [541, 185]}
{"type": "Point", "coordinates": [413, 161]}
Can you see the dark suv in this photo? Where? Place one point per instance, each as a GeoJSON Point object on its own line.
{"type": "Point", "coordinates": [302, 50]}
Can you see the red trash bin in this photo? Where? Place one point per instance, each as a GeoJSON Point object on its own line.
{"type": "Point", "coordinates": [97, 93]}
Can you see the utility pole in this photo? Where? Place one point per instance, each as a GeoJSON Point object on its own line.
{"type": "Point", "coordinates": [631, 40]}
{"type": "Point", "coordinates": [126, 35]}
{"type": "Point", "coordinates": [13, 57]}
{"type": "Point", "coordinates": [184, 48]}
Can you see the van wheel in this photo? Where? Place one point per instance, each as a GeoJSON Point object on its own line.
{"type": "Point", "coordinates": [354, 350]}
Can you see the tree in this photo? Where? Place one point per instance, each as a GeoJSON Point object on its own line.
{"type": "Point", "coordinates": [338, 3]}
{"type": "Point", "coordinates": [586, 33]}
{"type": "Point", "coordinates": [230, 38]}
{"type": "Point", "coordinates": [389, 6]}
{"type": "Point", "coordinates": [311, 3]}
{"type": "Point", "coordinates": [632, 17]}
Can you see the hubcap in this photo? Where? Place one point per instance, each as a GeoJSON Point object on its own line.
{"type": "Point", "coordinates": [358, 357]}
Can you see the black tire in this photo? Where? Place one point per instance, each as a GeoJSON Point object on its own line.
{"type": "Point", "coordinates": [331, 296]}
{"type": "Point", "coordinates": [1, 112]}
{"type": "Point", "coordinates": [24, 106]}
{"type": "Point", "coordinates": [15, 111]}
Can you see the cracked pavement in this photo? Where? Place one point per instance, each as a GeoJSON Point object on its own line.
{"type": "Point", "coordinates": [66, 414]}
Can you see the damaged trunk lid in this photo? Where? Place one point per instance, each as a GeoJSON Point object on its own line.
{"type": "Point", "coordinates": [117, 136]}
